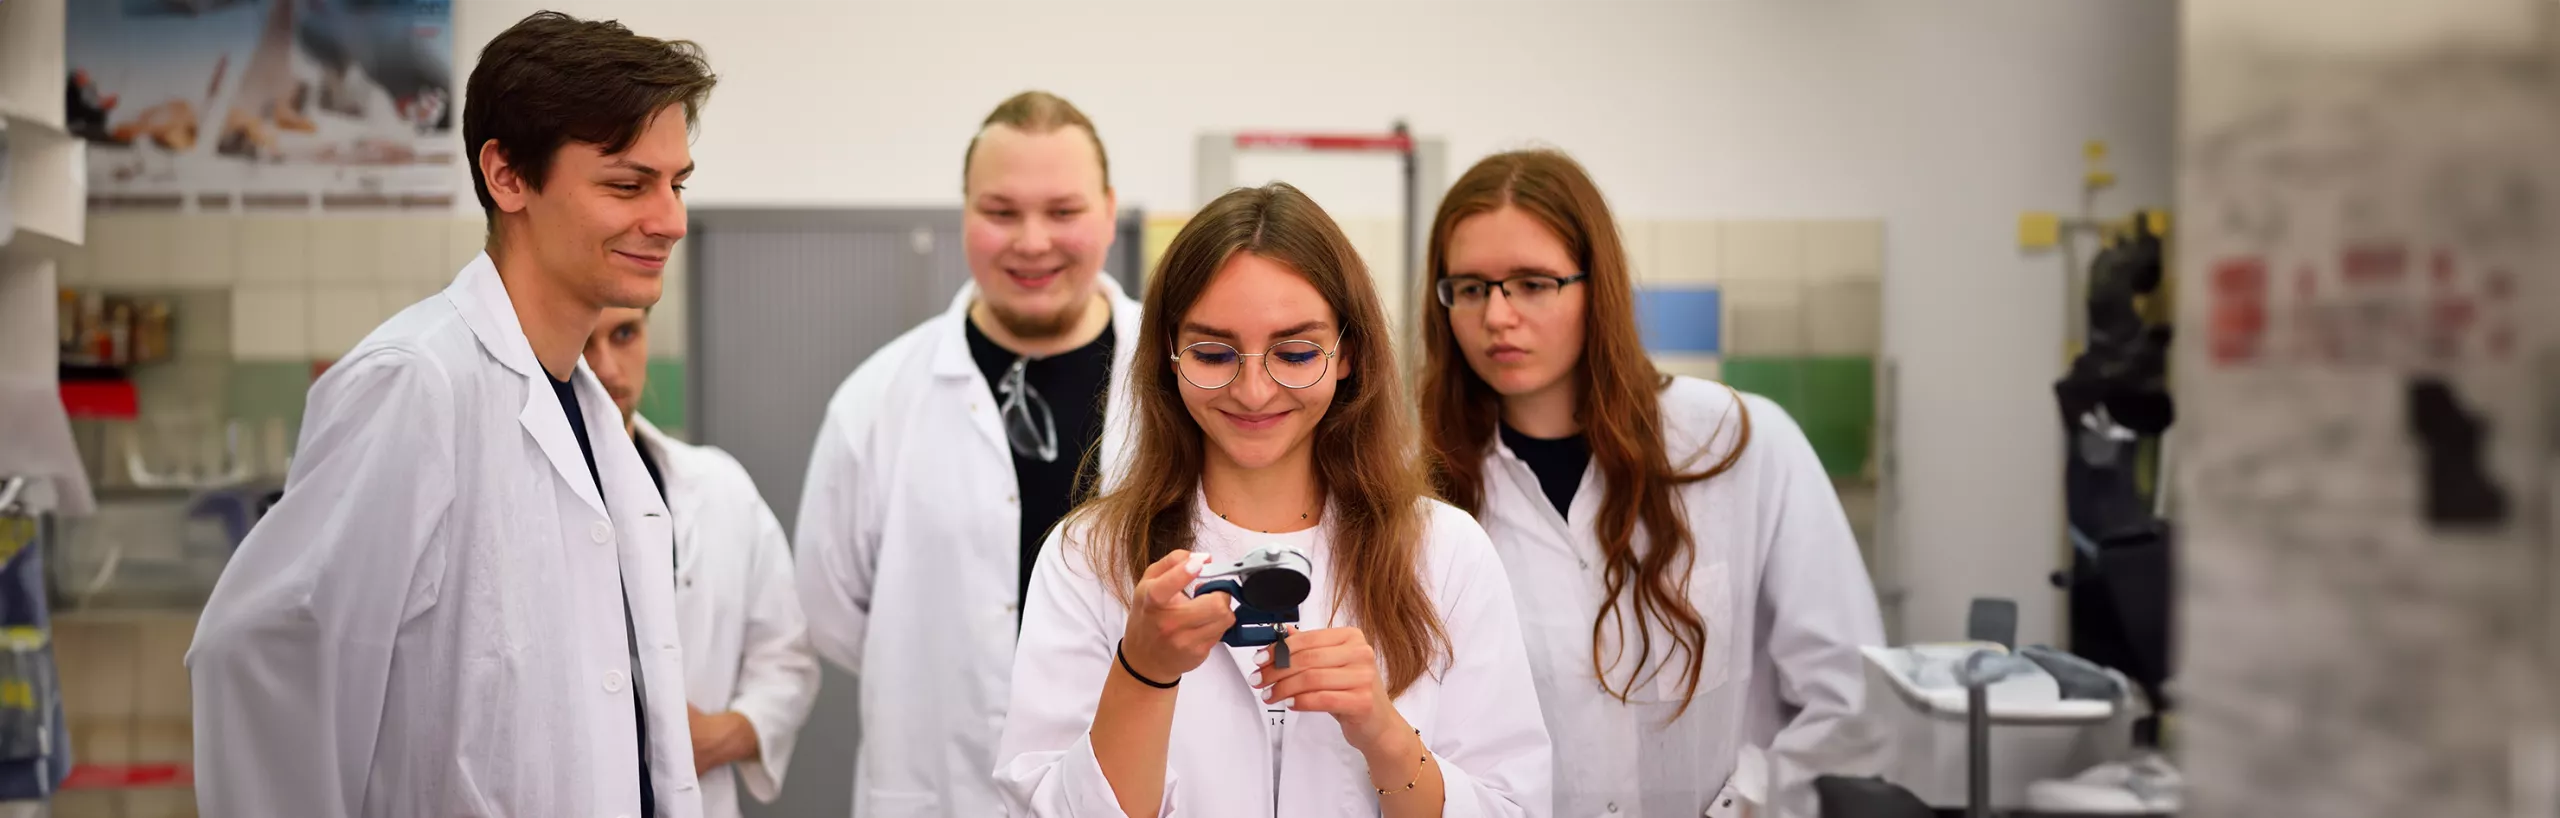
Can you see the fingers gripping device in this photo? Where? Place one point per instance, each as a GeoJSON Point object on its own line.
{"type": "Point", "coordinates": [1267, 586]}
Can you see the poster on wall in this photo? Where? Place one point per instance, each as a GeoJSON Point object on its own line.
{"type": "Point", "coordinates": [265, 104]}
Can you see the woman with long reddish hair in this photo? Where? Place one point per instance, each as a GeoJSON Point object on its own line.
{"type": "Point", "coordinates": [1691, 594]}
{"type": "Point", "coordinates": [1271, 415]}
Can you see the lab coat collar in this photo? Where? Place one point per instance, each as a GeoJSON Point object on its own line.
{"type": "Point", "coordinates": [1516, 472]}
{"type": "Point", "coordinates": [951, 355]}
{"type": "Point", "coordinates": [482, 301]}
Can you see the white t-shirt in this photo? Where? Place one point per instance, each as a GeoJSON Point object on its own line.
{"type": "Point", "coordinates": [1479, 717]}
{"type": "Point", "coordinates": [1226, 542]}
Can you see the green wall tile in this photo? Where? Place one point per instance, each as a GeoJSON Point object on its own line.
{"type": "Point", "coordinates": [1831, 398]}
{"type": "Point", "coordinates": [265, 389]}
{"type": "Point", "coordinates": [663, 401]}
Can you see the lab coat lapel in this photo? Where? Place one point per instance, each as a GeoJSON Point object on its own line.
{"type": "Point", "coordinates": [684, 498]}
{"type": "Point", "coordinates": [629, 497]}
{"type": "Point", "coordinates": [482, 301]}
{"type": "Point", "coordinates": [644, 547]}
{"type": "Point", "coordinates": [953, 362]}
{"type": "Point", "coordinates": [1119, 412]}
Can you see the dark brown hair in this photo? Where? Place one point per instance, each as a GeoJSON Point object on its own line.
{"type": "Point", "coordinates": [1037, 112]}
{"type": "Point", "coordinates": [552, 79]}
{"type": "Point", "coordinates": [1620, 411]}
{"type": "Point", "coordinates": [1364, 446]}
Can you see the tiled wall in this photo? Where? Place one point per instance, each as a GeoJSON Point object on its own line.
{"type": "Point", "coordinates": [265, 301]}
{"type": "Point", "coordinates": [1792, 310]}
{"type": "Point", "coordinates": [124, 682]}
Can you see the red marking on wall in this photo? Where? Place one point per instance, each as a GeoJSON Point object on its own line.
{"type": "Point", "coordinates": [2454, 315]}
{"type": "Point", "coordinates": [2239, 320]}
{"type": "Point", "coordinates": [2375, 264]}
{"type": "Point", "coordinates": [128, 776]}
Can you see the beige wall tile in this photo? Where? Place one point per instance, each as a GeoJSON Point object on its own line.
{"type": "Point", "coordinates": [274, 249]}
{"type": "Point", "coordinates": [1763, 251]}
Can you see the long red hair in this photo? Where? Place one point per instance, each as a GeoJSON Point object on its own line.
{"type": "Point", "coordinates": [1365, 449]}
{"type": "Point", "coordinates": [1620, 413]}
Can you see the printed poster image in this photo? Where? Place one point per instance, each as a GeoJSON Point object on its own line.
{"type": "Point", "coordinates": [289, 104]}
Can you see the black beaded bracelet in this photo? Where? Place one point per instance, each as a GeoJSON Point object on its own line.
{"type": "Point", "coordinates": [1133, 672]}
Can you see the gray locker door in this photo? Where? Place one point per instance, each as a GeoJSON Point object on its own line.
{"type": "Point", "coordinates": [785, 305]}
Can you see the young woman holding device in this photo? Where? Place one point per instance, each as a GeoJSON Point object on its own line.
{"type": "Point", "coordinates": [1270, 415]}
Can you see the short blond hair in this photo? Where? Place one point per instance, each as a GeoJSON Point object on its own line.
{"type": "Point", "coordinates": [1037, 112]}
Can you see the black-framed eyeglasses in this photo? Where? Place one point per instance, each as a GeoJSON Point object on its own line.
{"type": "Point", "coordinates": [1525, 291]}
{"type": "Point", "coordinates": [1293, 364]}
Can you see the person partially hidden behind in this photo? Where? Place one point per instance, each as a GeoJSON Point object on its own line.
{"type": "Point", "coordinates": [749, 675]}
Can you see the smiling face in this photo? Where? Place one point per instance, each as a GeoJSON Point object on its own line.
{"type": "Point", "coordinates": [602, 226]}
{"type": "Point", "coordinates": [1039, 223]}
{"type": "Point", "coordinates": [1253, 304]}
{"type": "Point", "coordinates": [1520, 349]}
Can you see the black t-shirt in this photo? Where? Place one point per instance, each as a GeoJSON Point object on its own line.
{"type": "Point", "coordinates": [1558, 463]}
{"type": "Point", "coordinates": [567, 392]}
{"type": "Point", "coordinates": [1073, 384]}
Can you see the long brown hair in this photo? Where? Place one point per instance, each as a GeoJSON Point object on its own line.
{"type": "Point", "coordinates": [1620, 411]}
{"type": "Point", "coordinates": [1364, 446]}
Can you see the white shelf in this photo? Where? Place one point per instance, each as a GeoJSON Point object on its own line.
{"type": "Point", "coordinates": [32, 76]}
{"type": "Point", "coordinates": [48, 180]}
{"type": "Point", "coordinates": [39, 440]}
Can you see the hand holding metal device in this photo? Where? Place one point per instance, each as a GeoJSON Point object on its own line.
{"type": "Point", "coordinates": [1267, 586]}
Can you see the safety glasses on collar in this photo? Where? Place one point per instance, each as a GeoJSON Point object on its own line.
{"type": "Point", "coordinates": [1293, 364]}
{"type": "Point", "coordinates": [1028, 425]}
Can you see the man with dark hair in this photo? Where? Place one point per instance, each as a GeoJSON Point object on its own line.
{"type": "Point", "coordinates": [464, 603]}
{"type": "Point", "coordinates": [945, 459]}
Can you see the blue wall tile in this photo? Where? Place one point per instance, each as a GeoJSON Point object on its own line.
{"type": "Point", "coordinates": [1681, 319]}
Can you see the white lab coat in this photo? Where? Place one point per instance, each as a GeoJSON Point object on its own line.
{"type": "Point", "coordinates": [746, 645]}
{"type": "Point", "coordinates": [910, 557]}
{"type": "Point", "coordinates": [1479, 718]}
{"type": "Point", "coordinates": [1786, 600]}
{"type": "Point", "coordinates": [431, 622]}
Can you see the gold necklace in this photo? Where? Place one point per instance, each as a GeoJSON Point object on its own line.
{"type": "Point", "coordinates": [1302, 517]}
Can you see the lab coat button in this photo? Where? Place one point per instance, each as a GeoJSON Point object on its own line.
{"type": "Point", "coordinates": [613, 681]}
{"type": "Point", "coordinates": [602, 531]}
{"type": "Point", "coordinates": [1613, 806]}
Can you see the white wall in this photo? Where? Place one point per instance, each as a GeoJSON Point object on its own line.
{"type": "Point", "coordinates": [1944, 118]}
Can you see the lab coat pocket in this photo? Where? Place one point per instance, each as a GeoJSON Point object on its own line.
{"type": "Point", "coordinates": [1711, 594]}
{"type": "Point", "coordinates": [26, 686]}
{"type": "Point", "coordinates": [886, 804]}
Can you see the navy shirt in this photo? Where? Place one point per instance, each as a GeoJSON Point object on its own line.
{"type": "Point", "coordinates": [568, 394]}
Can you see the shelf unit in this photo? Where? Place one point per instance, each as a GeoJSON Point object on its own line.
{"type": "Point", "coordinates": [46, 208]}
